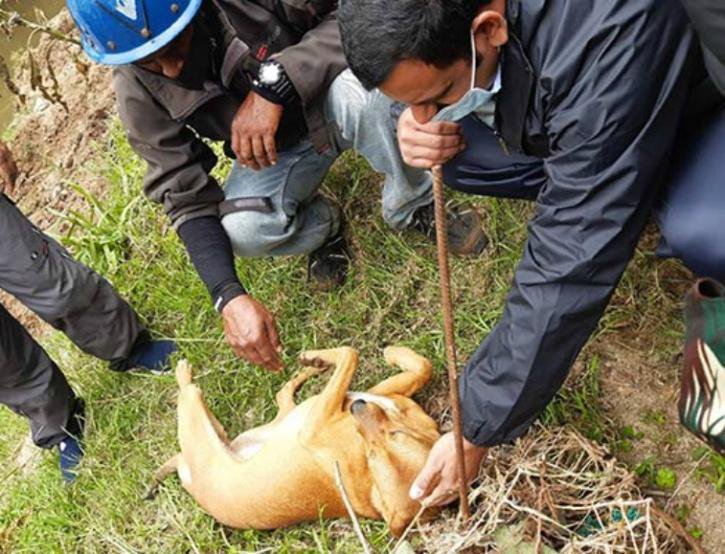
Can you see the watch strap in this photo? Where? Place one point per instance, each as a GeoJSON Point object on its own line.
{"type": "Point", "coordinates": [282, 92]}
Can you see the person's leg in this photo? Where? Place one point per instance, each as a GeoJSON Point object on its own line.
{"type": "Point", "coordinates": [690, 215]}
{"type": "Point", "coordinates": [277, 211]}
{"type": "Point", "coordinates": [366, 124]}
{"type": "Point", "coordinates": [32, 385]}
{"type": "Point", "coordinates": [70, 296]}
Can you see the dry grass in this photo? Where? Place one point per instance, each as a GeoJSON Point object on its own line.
{"type": "Point", "coordinates": [566, 492]}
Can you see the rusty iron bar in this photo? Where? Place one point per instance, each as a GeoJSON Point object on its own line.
{"type": "Point", "coordinates": [447, 305]}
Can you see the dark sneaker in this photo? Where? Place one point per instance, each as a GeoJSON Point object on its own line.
{"type": "Point", "coordinates": [465, 229]}
{"type": "Point", "coordinates": [702, 393]}
{"type": "Point", "coordinates": [152, 356]}
{"type": "Point", "coordinates": [70, 449]}
{"type": "Point", "coordinates": [327, 266]}
{"type": "Point", "coordinates": [71, 453]}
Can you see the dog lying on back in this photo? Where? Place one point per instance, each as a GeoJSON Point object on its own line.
{"type": "Point", "coordinates": [283, 472]}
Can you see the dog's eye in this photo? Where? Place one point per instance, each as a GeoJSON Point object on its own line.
{"type": "Point", "coordinates": [397, 434]}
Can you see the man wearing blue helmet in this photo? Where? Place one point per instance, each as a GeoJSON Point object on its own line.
{"type": "Point", "coordinates": [268, 78]}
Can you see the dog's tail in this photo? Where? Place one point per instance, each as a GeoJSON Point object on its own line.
{"type": "Point", "coordinates": [183, 373]}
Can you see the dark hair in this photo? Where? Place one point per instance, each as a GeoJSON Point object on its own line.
{"type": "Point", "coordinates": [378, 34]}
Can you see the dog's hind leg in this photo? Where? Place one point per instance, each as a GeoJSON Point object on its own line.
{"type": "Point", "coordinates": [416, 372]}
{"type": "Point", "coordinates": [201, 436]}
{"type": "Point", "coordinates": [331, 400]}
{"type": "Point", "coordinates": [169, 467]}
{"type": "Point", "coordinates": [184, 378]}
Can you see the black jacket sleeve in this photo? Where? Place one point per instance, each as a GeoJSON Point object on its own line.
{"type": "Point", "coordinates": [178, 161]}
{"type": "Point", "coordinates": [610, 130]}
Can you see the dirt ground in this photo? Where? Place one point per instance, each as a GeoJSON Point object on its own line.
{"type": "Point", "coordinates": [53, 145]}
{"type": "Point", "coordinates": [638, 393]}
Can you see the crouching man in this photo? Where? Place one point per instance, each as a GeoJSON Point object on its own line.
{"type": "Point", "coordinates": [268, 78]}
{"type": "Point", "coordinates": [576, 105]}
{"type": "Point", "coordinates": [41, 274]}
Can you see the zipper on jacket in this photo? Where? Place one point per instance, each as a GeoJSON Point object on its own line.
{"type": "Point", "coordinates": [501, 142]}
{"type": "Point", "coordinates": [499, 137]}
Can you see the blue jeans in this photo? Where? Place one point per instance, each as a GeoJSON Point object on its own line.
{"type": "Point", "coordinates": [299, 219]}
{"type": "Point", "coordinates": [690, 211]}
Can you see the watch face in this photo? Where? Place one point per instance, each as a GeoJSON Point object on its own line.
{"type": "Point", "coordinates": [269, 73]}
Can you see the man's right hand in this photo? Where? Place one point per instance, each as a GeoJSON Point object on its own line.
{"type": "Point", "coordinates": [429, 144]}
{"type": "Point", "coordinates": [252, 333]}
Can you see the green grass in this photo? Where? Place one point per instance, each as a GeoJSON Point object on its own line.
{"type": "Point", "coordinates": [391, 297]}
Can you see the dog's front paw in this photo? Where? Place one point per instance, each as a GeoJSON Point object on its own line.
{"type": "Point", "coordinates": [328, 358]}
{"type": "Point", "coordinates": [310, 359]}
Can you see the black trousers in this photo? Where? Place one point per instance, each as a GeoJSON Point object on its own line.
{"type": "Point", "coordinates": [74, 299]}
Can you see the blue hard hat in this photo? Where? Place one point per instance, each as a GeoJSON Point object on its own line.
{"type": "Point", "coordinates": [117, 32]}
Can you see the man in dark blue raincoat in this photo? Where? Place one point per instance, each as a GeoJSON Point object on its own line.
{"type": "Point", "coordinates": [578, 105]}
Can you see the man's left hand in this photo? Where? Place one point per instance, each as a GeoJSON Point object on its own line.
{"type": "Point", "coordinates": [253, 130]}
{"type": "Point", "coordinates": [437, 483]}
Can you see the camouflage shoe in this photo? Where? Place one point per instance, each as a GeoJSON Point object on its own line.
{"type": "Point", "coordinates": [702, 396]}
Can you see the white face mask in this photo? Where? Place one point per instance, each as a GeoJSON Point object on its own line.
{"type": "Point", "coordinates": [473, 100]}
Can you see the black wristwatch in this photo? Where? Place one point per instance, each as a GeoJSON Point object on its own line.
{"type": "Point", "coordinates": [272, 81]}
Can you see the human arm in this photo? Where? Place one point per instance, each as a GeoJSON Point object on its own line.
{"type": "Point", "coordinates": [610, 135]}
{"type": "Point", "coordinates": [307, 68]}
{"type": "Point", "coordinates": [317, 59]}
{"type": "Point", "coordinates": [178, 177]}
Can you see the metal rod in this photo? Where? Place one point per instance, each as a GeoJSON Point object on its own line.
{"type": "Point", "coordinates": [447, 305]}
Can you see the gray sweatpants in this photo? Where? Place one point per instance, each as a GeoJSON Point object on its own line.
{"type": "Point", "coordinates": [74, 299]}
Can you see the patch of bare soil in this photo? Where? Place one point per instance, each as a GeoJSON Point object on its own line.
{"type": "Point", "coordinates": [639, 393]}
{"type": "Point", "coordinates": [54, 142]}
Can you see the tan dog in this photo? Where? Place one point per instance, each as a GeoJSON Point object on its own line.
{"type": "Point", "coordinates": [283, 472]}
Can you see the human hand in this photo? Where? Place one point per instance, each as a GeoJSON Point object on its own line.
{"type": "Point", "coordinates": [252, 333]}
{"type": "Point", "coordinates": [253, 130]}
{"type": "Point", "coordinates": [426, 145]}
{"type": "Point", "coordinates": [8, 170]}
{"type": "Point", "coordinates": [437, 483]}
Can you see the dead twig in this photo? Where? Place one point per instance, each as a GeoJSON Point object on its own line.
{"type": "Point", "coordinates": [676, 526]}
{"type": "Point", "coordinates": [350, 511]}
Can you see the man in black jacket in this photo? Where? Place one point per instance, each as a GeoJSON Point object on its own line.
{"type": "Point", "coordinates": [573, 103]}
